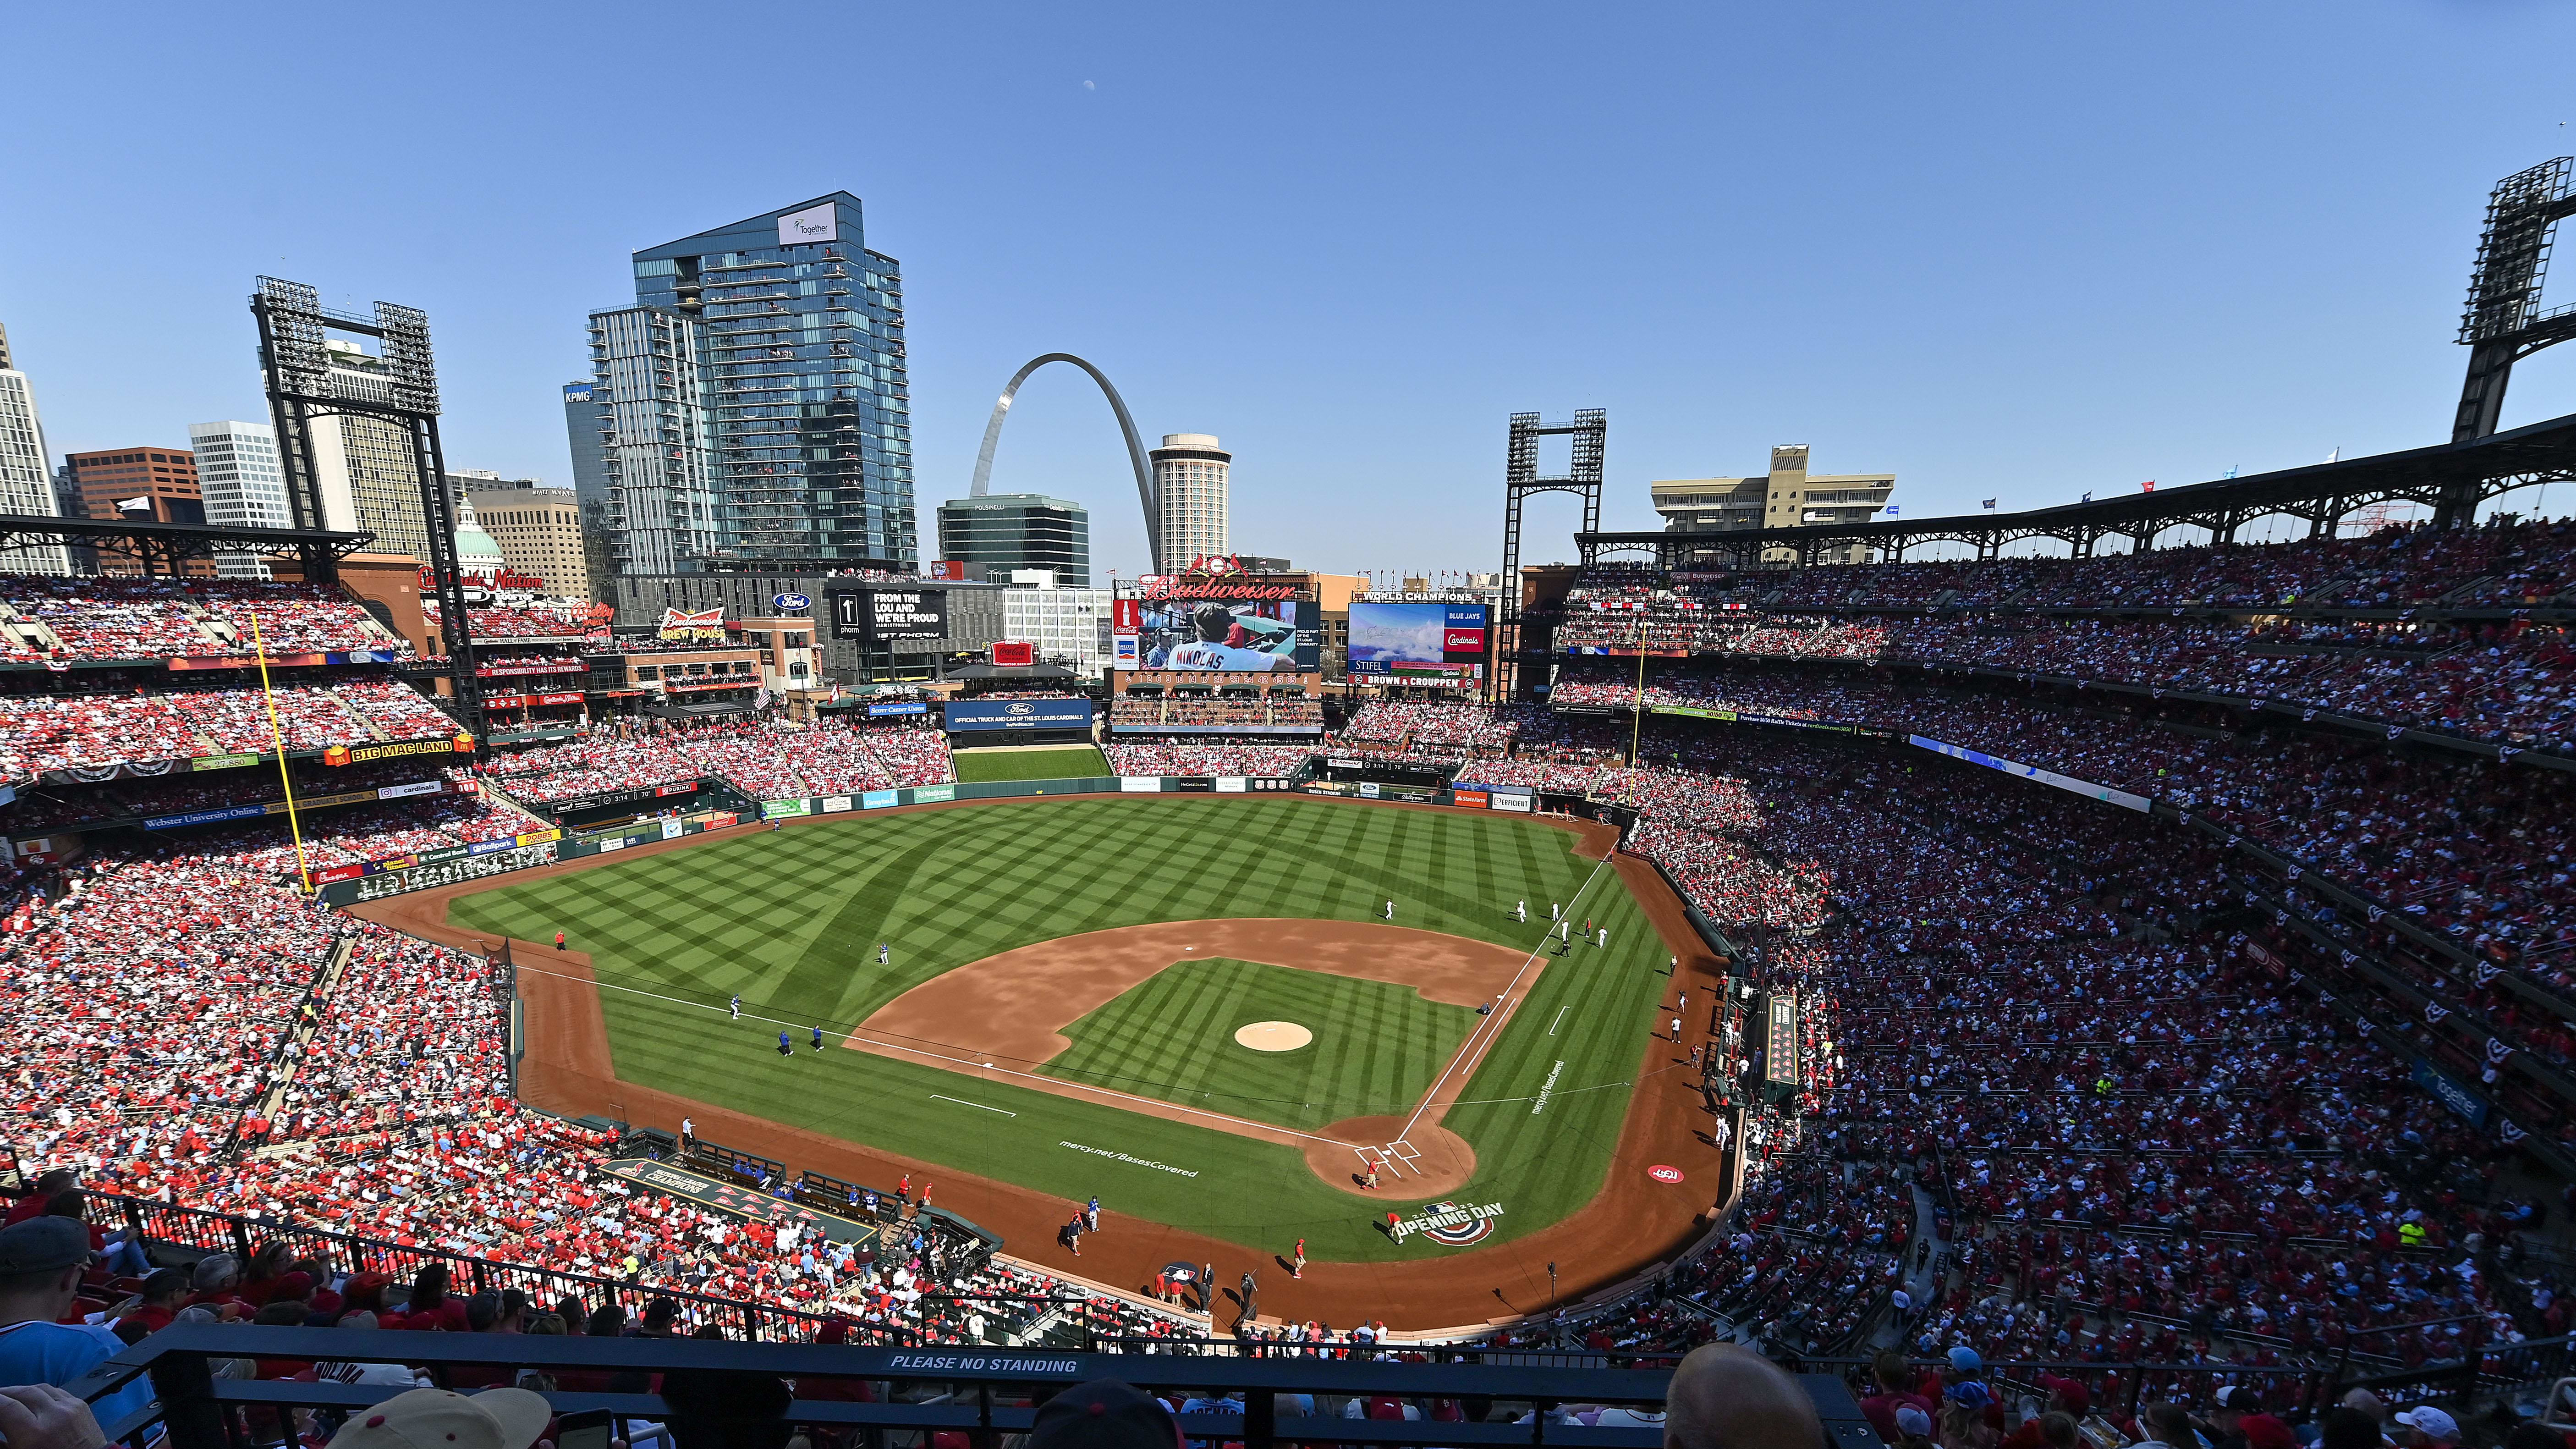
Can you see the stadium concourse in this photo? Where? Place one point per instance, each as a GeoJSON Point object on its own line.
{"type": "Point", "coordinates": [2274, 1072]}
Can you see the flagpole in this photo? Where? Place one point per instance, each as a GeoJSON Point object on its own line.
{"type": "Point", "coordinates": [277, 741]}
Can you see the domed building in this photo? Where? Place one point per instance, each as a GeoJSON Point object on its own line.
{"type": "Point", "coordinates": [478, 554]}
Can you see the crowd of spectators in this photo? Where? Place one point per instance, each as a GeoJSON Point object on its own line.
{"type": "Point", "coordinates": [65, 619]}
{"type": "Point", "coordinates": [41, 732]}
{"type": "Point", "coordinates": [1204, 757]}
{"type": "Point", "coordinates": [535, 619]}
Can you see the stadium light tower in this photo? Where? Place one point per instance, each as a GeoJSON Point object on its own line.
{"type": "Point", "coordinates": [2504, 321]}
{"type": "Point", "coordinates": [1591, 432]}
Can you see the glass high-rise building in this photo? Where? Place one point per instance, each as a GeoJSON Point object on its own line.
{"type": "Point", "coordinates": [24, 488]}
{"type": "Point", "coordinates": [243, 483]}
{"type": "Point", "coordinates": [1006, 531]}
{"type": "Point", "coordinates": [752, 408]}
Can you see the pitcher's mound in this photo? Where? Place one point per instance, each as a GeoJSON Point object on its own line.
{"type": "Point", "coordinates": [1430, 1161]}
{"type": "Point", "coordinates": [1273, 1036]}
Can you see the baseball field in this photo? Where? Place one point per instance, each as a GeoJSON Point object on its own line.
{"type": "Point", "coordinates": [1194, 1008]}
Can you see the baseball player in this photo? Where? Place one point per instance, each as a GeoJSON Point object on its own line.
{"type": "Point", "coordinates": [818, 1038]}
{"type": "Point", "coordinates": [786, 1048]}
{"type": "Point", "coordinates": [1215, 646]}
{"type": "Point", "coordinates": [1091, 1214]}
{"type": "Point", "coordinates": [1520, 912]}
{"type": "Point", "coordinates": [885, 953]}
{"type": "Point", "coordinates": [737, 1006]}
{"type": "Point", "coordinates": [1370, 1181]}
{"type": "Point", "coordinates": [1297, 1260]}
{"type": "Point", "coordinates": [559, 940]}
{"type": "Point", "coordinates": [688, 1133]}
{"type": "Point", "coordinates": [1605, 938]}
{"type": "Point", "coordinates": [1677, 1028]}
{"type": "Point", "coordinates": [1565, 932]}
{"type": "Point", "coordinates": [903, 1188]}
{"type": "Point", "coordinates": [1390, 910]}
{"type": "Point", "coordinates": [1552, 912]}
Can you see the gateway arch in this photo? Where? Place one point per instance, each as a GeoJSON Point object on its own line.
{"type": "Point", "coordinates": [1126, 426]}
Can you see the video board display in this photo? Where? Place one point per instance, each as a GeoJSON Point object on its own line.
{"type": "Point", "coordinates": [1267, 636]}
{"type": "Point", "coordinates": [1434, 644]}
{"type": "Point", "coordinates": [879, 616]}
{"type": "Point", "coordinates": [1019, 714]}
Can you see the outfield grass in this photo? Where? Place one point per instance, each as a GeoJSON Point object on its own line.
{"type": "Point", "coordinates": [791, 919]}
{"type": "Point", "coordinates": [1377, 1045]}
{"type": "Point", "coordinates": [1072, 763]}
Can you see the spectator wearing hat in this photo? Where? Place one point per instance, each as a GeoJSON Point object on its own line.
{"type": "Point", "coordinates": [1913, 1427]}
{"type": "Point", "coordinates": [41, 1262]}
{"type": "Point", "coordinates": [1893, 1380]}
{"type": "Point", "coordinates": [2428, 1427]}
{"type": "Point", "coordinates": [444, 1419]}
{"type": "Point", "coordinates": [1104, 1414]}
{"type": "Point", "coordinates": [2167, 1426]}
{"type": "Point", "coordinates": [2347, 1427]}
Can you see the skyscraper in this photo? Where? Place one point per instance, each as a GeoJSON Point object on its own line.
{"type": "Point", "coordinates": [1191, 476]}
{"type": "Point", "coordinates": [363, 464]}
{"type": "Point", "coordinates": [751, 409]}
{"type": "Point", "coordinates": [151, 484]}
{"type": "Point", "coordinates": [24, 486]}
{"type": "Point", "coordinates": [1006, 531]}
{"type": "Point", "coordinates": [244, 485]}
{"type": "Point", "coordinates": [590, 487]}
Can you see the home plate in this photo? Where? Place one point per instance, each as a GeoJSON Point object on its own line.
{"type": "Point", "coordinates": [1273, 1036]}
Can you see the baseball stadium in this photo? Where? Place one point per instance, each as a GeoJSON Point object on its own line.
{"type": "Point", "coordinates": [2112, 955]}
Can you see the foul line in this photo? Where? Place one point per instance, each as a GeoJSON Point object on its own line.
{"type": "Point", "coordinates": [1560, 1016]}
{"type": "Point", "coordinates": [962, 1102]}
{"type": "Point", "coordinates": [976, 1061]}
{"type": "Point", "coordinates": [1481, 1038]}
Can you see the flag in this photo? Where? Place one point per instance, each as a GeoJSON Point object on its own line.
{"type": "Point", "coordinates": [2231, 470]}
{"type": "Point", "coordinates": [1990, 503]}
{"type": "Point", "coordinates": [2337, 453]}
{"type": "Point", "coordinates": [130, 505]}
{"type": "Point", "coordinates": [2147, 487]}
{"type": "Point", "coordinates": [2088, 497]}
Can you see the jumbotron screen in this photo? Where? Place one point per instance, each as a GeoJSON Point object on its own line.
{"type": "Point", "coordinates": [1272, 635]}
{"type": "Point", "coordinates": [1418, 643]}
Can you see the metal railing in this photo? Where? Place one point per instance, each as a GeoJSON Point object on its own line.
{"type": "Point", "coordinates": [981, 1394]}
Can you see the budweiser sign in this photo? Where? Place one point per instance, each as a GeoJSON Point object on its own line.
{"type": "Point", "coordinates": [685, 625]}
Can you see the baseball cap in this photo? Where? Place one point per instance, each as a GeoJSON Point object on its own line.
{"type": "Point", "coordinates": [1102, 1414]}
{"type": "Point", "coordinates": [1970, 1395]}
{"type": "Point", "coordinates": [2238, 1397]}
{"type": "Point", "coordinates": [445, 1419]}
{"type": "Point", "coordinates": [2074, 1395]}
{"type": "Point", "coordinates": [1911, 1420]}
{"type": "Point", "coordinates": [2432, 1423]}
{"type": "Point", "coordinates": [1963, 1359]}
{"type": "Point", "coordinates": [43, 1245]}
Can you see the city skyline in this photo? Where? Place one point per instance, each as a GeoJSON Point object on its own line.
{"type": "Point", "coordinates": [2255, 257]}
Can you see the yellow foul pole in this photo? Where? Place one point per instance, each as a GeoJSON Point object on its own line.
{"type": "Point", "coordinates": [277, 741]}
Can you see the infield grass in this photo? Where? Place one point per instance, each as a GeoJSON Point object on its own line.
{"type": "Point", "coordinates": [1377, 1045]}
{"type": "Point", "coordinates": [1074, 762]}
{"type": "Point", "coordinates": [791, 920]}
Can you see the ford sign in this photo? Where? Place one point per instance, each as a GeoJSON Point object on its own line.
{"type": "Point", "coordinates": [790, 603]}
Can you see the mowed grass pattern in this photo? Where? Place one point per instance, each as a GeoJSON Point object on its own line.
{"type": "Point", "coordinates": [1377, 1045]}
{"type": "Point", "coordinates": [1074, 763]}
{"type": "Point", "coordinates": [791, 920]}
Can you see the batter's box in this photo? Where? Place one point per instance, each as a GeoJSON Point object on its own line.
{"type": "Point", "coordinates": [1395, 1157]}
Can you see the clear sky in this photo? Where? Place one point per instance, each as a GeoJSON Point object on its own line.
{"type": "Point", "coordinates": [2011, 251]}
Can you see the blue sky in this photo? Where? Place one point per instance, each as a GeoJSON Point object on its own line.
{"type": "Point", "coordinates": [2012, 251]}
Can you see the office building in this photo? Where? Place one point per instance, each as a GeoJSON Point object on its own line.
{"type": "Point", "coordinates": [539, 533]}
{"type": "Point", "coordinates": [1006, 531]}
{"type": "Point", "coordinates": [243, 485]}
{"type": "Point", "coordinates": [24, 486]}
{"type": "Point", "coordinates": [752, 410]}
{"type": "Point", "coordinates": [1786, 497]}
{"type": "Point", "coordinates": [145, 484]}
{"type": "Point", "coordinates": [464, 483]}
{"type": "Point", "coordinates": [1068, 626]}
{"type": "Point", "coordinates": [1190, 483]}
{"type": "Point", "coordinates": [362, 465]}
{"type": "Point", "coordinates": [589, 485]}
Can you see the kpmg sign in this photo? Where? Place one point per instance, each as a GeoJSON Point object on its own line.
{"type": "Point", "coordinates": [1019, 714]}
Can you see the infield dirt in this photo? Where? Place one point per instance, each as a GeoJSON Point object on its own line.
{"type": "Point", "coordinates": [1631, 1226]}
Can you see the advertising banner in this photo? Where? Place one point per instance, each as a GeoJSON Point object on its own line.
{"type": "Point", "coordinates": [1472, 799]}
{"type": "Point", "coordinates": [1140, 784]}
{"type": "Point", "coordinates": [835, 804]}
{"type": "Point", "coordinates": [899, 707]}
{"type": "Point", "coordinates": [222, 762]}
{"type": "Point", "coordinates": [1123, 650]}
{"type": "Point", "coordinates": [773, 809]}
{"type": "Point", "coordinates": [205, 817]}
{"type": "Point", "coordinates": [1018, 714]}
{"type": "Point", "coordinates": [2451, 1094]}
{"type": "Point", "coordinates": [700, 626]}
{"type": "Point", "coordinates": [878, 799]}
{"type": "Point", "coordinates": [882, 616]}
{"type": "Point", "coordinates": [933, 794]}
{"type": "Point", "coordinates": [450, 872]}
{"type": "Point", "coordinates": [1010, 653]}
{"type": "Point", "coordinates": [1127, 616]}
{"type": "Point", "coordinates": [1519, 804]}
{"type": "Point", "coordinates": [2068, 783]}
{"type": "Point", "coordinates": [1411, 643]}
{"type": "Point", "coordinates": [1268, 636]}
{"type": "Point", "coordinates": [338, 872]}
{"type": "Point", "coordinates": [1229, 784]}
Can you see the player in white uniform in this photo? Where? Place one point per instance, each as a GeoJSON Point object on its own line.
{"type": "Point", "coordinates": [1520, 912]}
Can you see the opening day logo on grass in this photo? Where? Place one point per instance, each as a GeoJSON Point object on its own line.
{"type": "Point", "coordinates": [1452, 1225]}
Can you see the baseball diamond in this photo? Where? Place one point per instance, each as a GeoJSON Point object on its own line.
{"type": "Point", "coordinates": [1057, 1011]}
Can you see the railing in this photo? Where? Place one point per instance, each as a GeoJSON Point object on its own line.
{"type": "Point", "coordinates": [980, 1394]}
